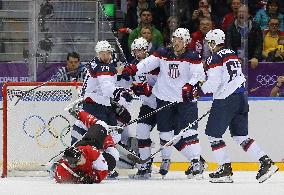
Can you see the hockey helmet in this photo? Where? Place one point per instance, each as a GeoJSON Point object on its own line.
{"type": "Point", "coordinates": [72, 155]}
{"type": "Point", "coordinates": [182, 33]}
{"type": "Point", "coordinates": [139, 43]}
{"type": "Point", "coordinates": [103, 46]}
{"type": "Point", "coordinates": [216, 35]}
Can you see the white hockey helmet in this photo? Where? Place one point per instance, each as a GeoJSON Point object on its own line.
{"type": "Point", "coordinates": [216, 35]}
{"type": "Point", "coordinates": [139, 43]}
{"type": "Point", "coordinates": [184, 34]}
{"type": "Point", "coordinates": [103, 46]}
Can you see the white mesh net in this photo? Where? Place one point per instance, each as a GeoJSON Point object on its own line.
{"type": "Point", "coordinates": [38, 128]}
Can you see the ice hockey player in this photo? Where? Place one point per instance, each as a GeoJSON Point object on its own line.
{"type": "Point", "coordinates": [98, 88]}
{"type": "Point", "coordinates": [229, 109]}
{"type": "Point", "coordinates": [83, 164]}
{"type": "Point", "coordinates": [92, 158]}
{"type": "Point", "coordinates": [178, 66]}
{"type": "Point", "coordinates": [142, 87]}
{"type": "Point", "coordinates": [100, 135]}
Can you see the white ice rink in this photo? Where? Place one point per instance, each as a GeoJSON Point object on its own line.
{"type": "Point", "coordinates": [175, 184]}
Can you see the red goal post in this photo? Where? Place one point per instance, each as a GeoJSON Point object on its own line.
{"type": "Point", "coordinates": [37, 127]}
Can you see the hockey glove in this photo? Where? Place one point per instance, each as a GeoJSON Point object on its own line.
{"type": "Point", "coordinates": [142, 89]}
{"type": "Point", "coordinates": [129, 71]}
{"type": "Point", "coordinates": [187, 93]}
{"type": "Point", "coordinates": [190, 92]}
{"type": "Point", "coordinates": [121, 112]}
{"type": "Point", "coordinates": [121, 92]}
{"type": "Point", "coordinates": [85, 179]}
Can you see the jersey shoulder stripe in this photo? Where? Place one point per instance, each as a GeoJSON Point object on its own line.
{"type": "Point", "coordinates": [103, 69]}
{"type": "Point", "coordinates": [168, 55]}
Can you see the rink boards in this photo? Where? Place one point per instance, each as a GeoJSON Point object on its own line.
{"type": "Point", "coordinates": [265, 126]}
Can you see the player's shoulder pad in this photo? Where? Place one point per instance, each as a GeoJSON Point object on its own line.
{"type": "Point", "coordinates": [161, 52]}
{"type": "Point", "coordinates": [192, 56]}
{"type": "Point", "coordinates": [214, 61]}
{"type": "Point", "coordinates": [224, 53]}
{"type": "Point", "coordinates": [227, 54]}
{"type": "Point", "coordinates": [104, 69]}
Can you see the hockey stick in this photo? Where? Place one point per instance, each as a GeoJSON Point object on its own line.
{"type": "Point", "coordinates": [119, 129]}
{"type": "Point", "coordinates": [149, 114]}
{"type": "Point", "coordinates": [70, 170]}
{"type": "Point", "coordinates": [113, 33]}
{"type": "Point", "coordinates": [138, 160]}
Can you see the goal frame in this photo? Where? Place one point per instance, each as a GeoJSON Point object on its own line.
{"type": "Point", "coordinates": [5, 110]}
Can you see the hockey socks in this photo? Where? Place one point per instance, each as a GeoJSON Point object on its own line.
{"type": "Point", "coordinates": [219, 151]}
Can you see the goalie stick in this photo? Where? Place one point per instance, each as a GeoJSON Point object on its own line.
{"type": "Point", "coordinates": [138, 160]}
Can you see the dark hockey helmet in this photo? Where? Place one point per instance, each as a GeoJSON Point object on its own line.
{"type": "Point", "coordinates": [72, 155]}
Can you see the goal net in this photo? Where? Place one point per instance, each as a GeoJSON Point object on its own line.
{"type": "Point", "coordinates": [37, 127]}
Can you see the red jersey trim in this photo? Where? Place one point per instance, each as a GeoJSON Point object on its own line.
{"type": "Point", "coordinates": [97, 74]}
{"type": "Point", "coordinates": [224, 60]}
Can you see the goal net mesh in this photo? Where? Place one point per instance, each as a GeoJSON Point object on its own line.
{"type": "Point", "coordinates": [37, 127]}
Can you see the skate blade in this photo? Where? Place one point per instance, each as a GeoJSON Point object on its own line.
{"type": "Point", "coordinates": [136, 177]}
{"type": "Point", "coordinates": [163, 176]}
{"type": "Point", "coordinates": [272, 170]}
{"type": "Point", "coordinates": [197, 177]}
{"type": "Point", "coordinates": [227, 179]}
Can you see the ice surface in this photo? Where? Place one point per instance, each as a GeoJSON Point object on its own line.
{"type": "Point", "coordinates": [174, 184]}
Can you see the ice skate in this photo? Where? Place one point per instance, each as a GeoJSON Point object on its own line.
{"type": "Point", "coordinates": [73, 108]}
{"type": "Point", "coordinates": [196, 169]}
{"type": "Point", "coordinates": [267, 169]}
{"type": "Point", "coordinates": [112, 175]}
{"type": "Point", "coordinates": [222, 175]}
{"type": "Point", "coordinates": [164, 168]}
{"type": "Point", "coordinates": [144, 172]}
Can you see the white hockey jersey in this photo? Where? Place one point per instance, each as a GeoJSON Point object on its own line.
{"type": "Point", "coordinates": [100, 82]}
{"type": "Point", "coordinates": [151, 79]}
{"type": "Point", "coordinates": [175, 72]}
{"type": "Point", "coordinates": [224, 74]}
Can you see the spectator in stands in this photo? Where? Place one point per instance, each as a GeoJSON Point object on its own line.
{"type": "Point", "coordinates": [184, 10]}
{"type": "Point", "coordinates": [276, 90]}
{"type": "Point", "coordinates": [197, 38]}
{"type": "Point", "coordinates": [158, 8]}
{"type": "Point", "coordinates": [172, 24]}
{"type": "Point", "coordinates": [219, 9]}
{"type": "Point", "coordinates": [231, 16]}
{"type": "Point", "coordinates": [272, 10]}
{"type": "Point", "coordinates": [160, 11]}
{"type": "Point", "coordinates": [236, 31]}
{"type": "Point", "coordinates": [146, 33]}
{"type": "Point", "coordinates": [255, 5]}
{"type": "Point", "coordinates": [146, 20]}
{"type": "Point", "coordinates": [204, 10]}
{"type": "Point", "coordinates": [271, 37]}
{"type": "Point", "coordinates": [277, 55]}
{"type": "Point", "coordinates": [73, 71]}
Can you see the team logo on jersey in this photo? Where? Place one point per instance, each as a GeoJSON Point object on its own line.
{"type": "Point", "coordinates": [142, 78]}
{"type": "Point", "coordinates": [174, 71]}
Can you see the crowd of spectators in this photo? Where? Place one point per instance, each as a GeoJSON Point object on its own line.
{"type": "Point", "coordinates": [261, 23]}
